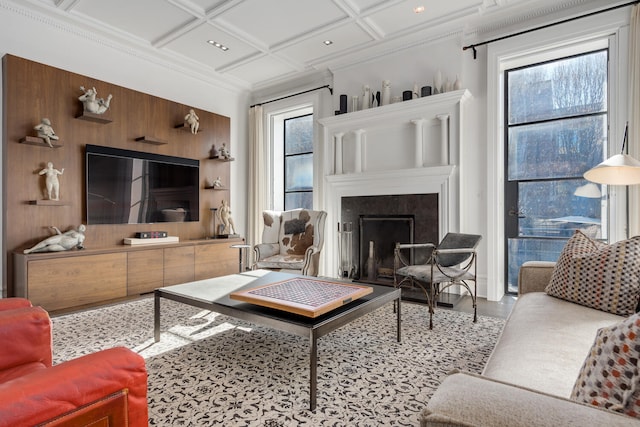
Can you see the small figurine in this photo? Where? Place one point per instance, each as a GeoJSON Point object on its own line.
{"type": "Point", "coordinates": [213, 153]}
{"type": "Point", "coordinates": [224, 213]}
{"type": "Point", "coordinates": [217, 183]}
{"type": "Point", "coordinates": [52, 183]}
{"type": "Point", "coordinates": [60, 241]}
{"type": "Point", "coordinates": [224, 152]}
{"type": "Point", "coordinates": [45, 131]}
{"type": "Point", "coordinates": [192, 120]}
{"type": "Point", "coordinates": [93, 104]}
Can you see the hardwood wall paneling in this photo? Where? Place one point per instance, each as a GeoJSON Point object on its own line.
{"type": "Point", "coordinates": [81, 280]}
{"type": "Point", "coordinates": [178, 265]}
{"type": "Point", "coordinates": [216, 260]}
{"type": "Point", "coordinates": [33, 91]}
{"type": "Point", "coordinates": [145, 271]}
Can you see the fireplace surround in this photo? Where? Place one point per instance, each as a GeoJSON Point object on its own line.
{"type": "Point", "coordinates": [407, 149]}
{"type": "Point", "coordinates": [386, 220]}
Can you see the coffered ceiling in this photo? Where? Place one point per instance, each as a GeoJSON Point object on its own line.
{"type": "Point", "coordinates": [262, 42]}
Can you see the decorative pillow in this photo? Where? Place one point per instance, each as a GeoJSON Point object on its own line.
{"type": "Point", "coordinates": [296, 233]}
{"type": "Point", "coordinates": [610, 376]}
{"type": "Point", "coordinates": [598, 275]}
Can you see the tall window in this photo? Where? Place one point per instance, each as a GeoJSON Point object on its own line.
{"type": "Point", "coordinates": [556, 128]}
{"type": "Point", "coordinates": [298, 162]}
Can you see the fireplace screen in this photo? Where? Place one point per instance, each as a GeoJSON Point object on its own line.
{"type": "Point", "coordinates": [378, 237]}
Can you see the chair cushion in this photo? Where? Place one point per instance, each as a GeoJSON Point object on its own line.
{"type": "Point", "coordinates": [609, 377]}
{"type": "Point", "coordinates": [289, 262]}
{"type": "Point", "coordinates": [598, 275]}
{"type": "Point", "coordinates": [296, 233]}
{"type": "Point", "coordinates": [423, 273]}
{"type": "Point", "coordinates": [271, 231]}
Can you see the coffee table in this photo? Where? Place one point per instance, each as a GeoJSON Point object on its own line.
{"type": "Point", "coordinates": [213, 294]}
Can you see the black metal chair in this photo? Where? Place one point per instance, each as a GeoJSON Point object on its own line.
{"type": "Point", "coordinates": [436, 268]}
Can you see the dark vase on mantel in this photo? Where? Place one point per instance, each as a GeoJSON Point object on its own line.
{"type": "Point", "coordinates": [343, 104]}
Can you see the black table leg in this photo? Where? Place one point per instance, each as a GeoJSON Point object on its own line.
{"type": "Point", "coordinates": [313, 370]}
{"type": "Point", "coordinates": [399, 320]}
{"type": "Point", "coordinates": [156, 316]}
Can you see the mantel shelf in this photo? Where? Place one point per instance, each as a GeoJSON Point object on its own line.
{"type": "Point", "coordinates": [186, 127]}
{"type": "Point", "coordinates": [93, 117]}
{"type": "Point", "coordinates": [36, 140]}
{"type": "Point", "coordinates": [371, 117]}
{"type": "Point", "coordinates": [49, 203]}
{"type": "Point", "coordinates": [151, 140]}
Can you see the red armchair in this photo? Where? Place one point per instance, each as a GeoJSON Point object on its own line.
{"type": "Point", "coordinates": [107, 388]}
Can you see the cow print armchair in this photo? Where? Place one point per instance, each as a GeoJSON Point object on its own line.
{"type": "Point", "coordinates": [291, 241]}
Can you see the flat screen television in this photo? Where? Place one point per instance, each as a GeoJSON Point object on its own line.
{"type": "Point", "coordinates": [132, 187]}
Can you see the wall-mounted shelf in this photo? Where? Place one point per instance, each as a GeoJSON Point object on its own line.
{"type": "Point", "coordinates": [93, 117]}
{"type": "Point", "coordinates": [35, 140]}
{"type": "Point", "coordinates": [220, 159]}
{"type": "Point", "coordinates": [48, 203]}
{"type": "Point", "coordinates": [209, 187]}
{"type": "Point", "coordinates": [151, 140]}
{"type": "Point", "coordinates": [186, 127]}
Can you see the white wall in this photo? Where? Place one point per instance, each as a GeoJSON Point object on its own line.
{"type": "Point", "coordinates": [56, 45]}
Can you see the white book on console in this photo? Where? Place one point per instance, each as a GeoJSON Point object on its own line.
{"type": "Point", "coordinates": [154, 241]}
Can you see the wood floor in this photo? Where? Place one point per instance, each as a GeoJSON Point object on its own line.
{"type": "Point", "coordinates": [500, 308]}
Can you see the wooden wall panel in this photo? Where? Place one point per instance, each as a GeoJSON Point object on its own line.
{"type": "Point", "coordinates": [32, 91]}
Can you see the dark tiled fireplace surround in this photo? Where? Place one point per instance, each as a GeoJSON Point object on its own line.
{"type": "Point", "coordinates": [385, 220]}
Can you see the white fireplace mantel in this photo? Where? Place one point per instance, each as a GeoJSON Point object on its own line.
{"type": "Point", "coordinates": [410, 147]}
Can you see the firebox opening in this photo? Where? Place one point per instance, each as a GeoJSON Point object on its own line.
{"type": "Point", "coordinates": [378, 237]}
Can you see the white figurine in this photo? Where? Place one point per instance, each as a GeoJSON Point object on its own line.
{"type": "Point", "coordinates": [45, 131]}
{"type": "Point", "coordinates": [224, 212]}
{"type": "Point", "coordinates": [61, 241]}
{"type": "Point", "coordinates": [386, 93]}
{"type": "Point", "coordinates": [52, 183]}
{"type": "Point", "coordinates": [224, 152]}
{"type": "Point", "coordinates": [217, 183]}
{"type": "Point", "coordinates": [192, 120]}
{"type": "Point", "coordinates": [93, 104]}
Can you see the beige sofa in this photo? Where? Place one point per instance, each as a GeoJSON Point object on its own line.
{"type": "Point", "coordinates": [529, 376]}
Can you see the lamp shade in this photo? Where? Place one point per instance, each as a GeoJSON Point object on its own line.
{"type": "Point", "coordinates": [620, 169]}
{"type": "Point", "coordinates": [589, 190]}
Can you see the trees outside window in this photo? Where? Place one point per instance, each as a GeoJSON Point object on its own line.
{"type": "Point", "coordinates": [556, 128]}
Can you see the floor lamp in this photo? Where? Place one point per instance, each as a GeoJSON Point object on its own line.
{"type": "Point", "coordinates": [621, 169]}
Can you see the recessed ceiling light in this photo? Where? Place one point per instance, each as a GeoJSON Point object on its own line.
{"type": "Point", "coordinates": [418, 9]}
{"type": "Point", "coordinates": [327, 42]}
{"type": "Point", "coordinates": [218, 45]}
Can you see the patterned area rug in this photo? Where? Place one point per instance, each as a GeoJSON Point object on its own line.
{"type": "Point", "coordinates": [210, 369]}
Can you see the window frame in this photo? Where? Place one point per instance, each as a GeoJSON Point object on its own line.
{"type": "Point", "coordinates": [512, 184]}
{"type": "Point", "coordinates": [611, 28]}
{"type": "Point", "coordinates": [287, 157]}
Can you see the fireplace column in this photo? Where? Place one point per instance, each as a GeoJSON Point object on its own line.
{"type": "Point", "coordinates": [358, 154]}
{"type": "Point", "coordinates": [418, 140]}
{"type": "Point", "coordinates": [444, 138]}
{"type": "Point", "coordinates": [338, 150]}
